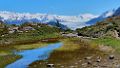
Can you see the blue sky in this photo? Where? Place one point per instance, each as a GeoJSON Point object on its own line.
{"type": "Point", "coordinates": [60, 7]}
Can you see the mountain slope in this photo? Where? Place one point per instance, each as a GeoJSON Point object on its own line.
{"type": "Point", "coordinates": [107, 27]}
{"type": "Point", "coordinates": [117, 12]}
{"type": "Point", "coordinates": [101, 17]}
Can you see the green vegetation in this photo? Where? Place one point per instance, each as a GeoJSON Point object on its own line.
{"type": "Point", "coordinates": [29, 36]}
{"type": "Point", "coordinates": [30, 46]}
{"type": "Point", "coordinates": [71, 44]}
{"type": "Point", "coordinates": [108, 27]}
{"type": "Point", "coordinates": [109, 41]}
{"type": "Point", "coordinates": [106, 32]}
{"type": "Point", "coordinates": [3, 28]}
{"type": "Point", "coordinates": [5, 60]}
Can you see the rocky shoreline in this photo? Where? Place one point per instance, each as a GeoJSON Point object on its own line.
{"type": "Point", "coordinates": [82, 58]}
{"type": "Point", "coordinates": [87, 62]}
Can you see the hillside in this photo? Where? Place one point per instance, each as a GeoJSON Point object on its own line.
{"type": "Point", "coordinates": [108, 27]}
{"type": "Point", "coordinates": [103, 16]}
{"type": "Point", "coordinates": [26, 33]}
{"type": "Point", "coordinates": [117, 12]}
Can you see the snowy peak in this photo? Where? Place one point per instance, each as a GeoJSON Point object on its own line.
{"type": "Point", "coordinates": [101, 17]}
{"type": "Point", "coordinates": [70, 21]}
{"type": "Point", "coordinates": [108, 13]}
{"type": "Point", "coordinates": [88, 16]}
{"type": "Point", "coordinates": [43, 17]}
{"type": "Point", "coordinates": [117, 12]}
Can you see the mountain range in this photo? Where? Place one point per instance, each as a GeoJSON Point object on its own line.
{"type": "Point", "coordinates": [72, 22]}
{"type": "Point", "coordinates": [69, 21]}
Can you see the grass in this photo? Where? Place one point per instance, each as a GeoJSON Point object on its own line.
{"type": "Point", "coordinates": [109, 41]}
{"type": "Point", "coordinates": [68, 45]}
{"type": "Point", "coordinates": [25, 38]}
{"type": "Point", "coordinates": [30, 46]}
{"type": "Point", "coordinates": [4, 52]}
{"type": "Point", "coordinates": [5, 60]}
{"type": "Point", "coordinates": [7, 50]}
{"type": "Point", "coordinates": [71, 44]}
{"type": "Point", "coordinates": [25, 42]}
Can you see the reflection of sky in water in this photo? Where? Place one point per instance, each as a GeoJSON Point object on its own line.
{"type": "Point", "coordinates": [30, 56]}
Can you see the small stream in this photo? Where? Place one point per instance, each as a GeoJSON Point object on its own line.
{"type": "Point", "coordinates": [29, 56]}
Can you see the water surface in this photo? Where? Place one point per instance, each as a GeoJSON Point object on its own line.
{"type": "Point", "coordinates": [29, 56]}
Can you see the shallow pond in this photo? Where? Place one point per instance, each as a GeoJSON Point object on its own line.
{"type": "Point", "coordinates": [29, 56]}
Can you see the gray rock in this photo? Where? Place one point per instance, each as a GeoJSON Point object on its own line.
{"type": "Point", "coordinates": [73, 66]}
{"type": "Point", "coordinates": [98, 59]}
{"type": "Point", "coordinates": [50, 65]}
{"type": "Point", "coordinates": [89, 62]}
{"type": "Point", "coordinates": [62, 66]}
{"type": "Point", "coordinates": [88, 58]}
{"type": "Point", "coordinates": [111, 57]}
{"type": "Point", "coordinates": [76, 63]}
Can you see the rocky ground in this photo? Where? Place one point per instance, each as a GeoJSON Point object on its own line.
{"type": "Point", "coordinates": [83, 58]}
{"type": "Point", "coordinates": [88, 62]}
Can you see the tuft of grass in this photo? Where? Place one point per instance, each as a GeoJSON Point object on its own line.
{"type": "Point", "coordinates": [71, 44]}
{"type": "Point", "coordinates": [30, 46]}
{"type": "Point", "coordinates": [5, 60]}
{"type": "Point", "coordinates": [68, 45]}
{"type": "Point", "coordinates": [109, 41]}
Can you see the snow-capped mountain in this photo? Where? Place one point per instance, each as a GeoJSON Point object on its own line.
{"type": "Point", "coordinates": [79, 21]}
{"type": "Point", "coordinates": [101, 17]}
{"type": "Point", "coordinates": [70, 21]}
{"type": "Point", "coordinates": [117, 12]}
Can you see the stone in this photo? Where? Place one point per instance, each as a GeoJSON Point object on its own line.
{"type": "Point", "coordinates": [62, 66]}
{"type": "Point", "coordinates": [117, 66]}
{"type": "Point", "coordinates": [50, 65]}
{"type": "Point", "coordinates": [111, 57]}
{"type": "Point", "coordinates": [98, 59]}
{"type": "Point", "coordinates": [89, 62]}
{"type": "Point", "coordinates": [80, 61]}
{"type": "Point", "coordinates": [76, 63]}
{"type": "Point", "coordinates": [87, 58]}
{"type": "Point", "coordinates": [73, 66]}
{"type": "Point", "coordinates": [84, 64]}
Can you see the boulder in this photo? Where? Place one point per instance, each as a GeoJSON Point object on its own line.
{"type": "Point", "coordinates": [50, 65]}
{"type": "Point", "coordinates": [111, 57]}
